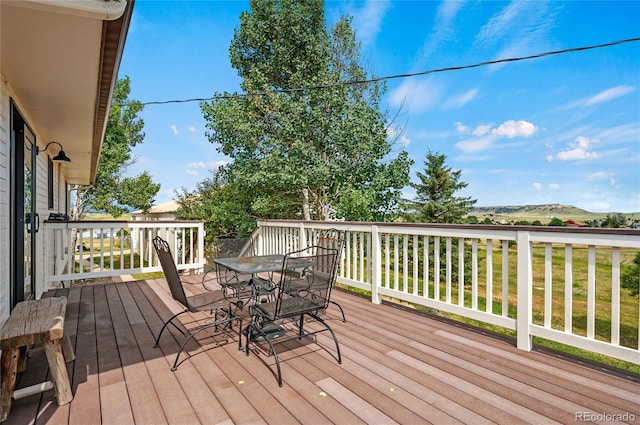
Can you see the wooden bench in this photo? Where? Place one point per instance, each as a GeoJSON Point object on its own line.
{"type": "Point", "coordinates": [33, 322]}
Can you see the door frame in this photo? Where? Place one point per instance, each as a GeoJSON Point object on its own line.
{"type": "Point", "coordinates": [16, 207]}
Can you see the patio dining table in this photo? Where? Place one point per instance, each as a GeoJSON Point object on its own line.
{"type": "Point", "coordinates": [253, 264]}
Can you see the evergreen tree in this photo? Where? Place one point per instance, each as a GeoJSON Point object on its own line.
{"type": "Point", "coordinates": [435, 200]}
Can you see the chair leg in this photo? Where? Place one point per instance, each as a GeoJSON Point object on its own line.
{"type": "Point", "coordinates": [335, 339]}
{"type": "Point", "coordinates": [344, 319]}
{"type": "Point", "coordinates": [157, 343]}
{"type": "Point", "coordinates": [203, 328]}
{"type": "Point", "coordinates": [249, 331]}
{"type": "Point", "coordinates": [275, 356]}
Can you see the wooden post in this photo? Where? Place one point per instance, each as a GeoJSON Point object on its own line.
{"type": "Point", "coordinates": [58, 371]}
{"type": "Point", "coordinates": [9, 370]}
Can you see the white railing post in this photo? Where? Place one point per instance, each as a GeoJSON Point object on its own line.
{"type": "Point", "coordinates": [302, 236]}
{"type": "Point", "coordinates": [259, 237]}
{"type": "Point", "coordinates": [201, 235]}
{"type": "Point", "coordinates": [376, 266]}
{"type": "Point", "coordinates": [525, 291]}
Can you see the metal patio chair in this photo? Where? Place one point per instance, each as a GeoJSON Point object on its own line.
{"type": "Point", "coordinates": [333, 239]}
{"type": "Point", "coordinates": [221, 316]}
{"type": "Point", "coordinates": [312, 272]}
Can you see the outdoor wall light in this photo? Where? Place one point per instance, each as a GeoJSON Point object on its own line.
{"type": "Point", "coordinates": [61, 157]}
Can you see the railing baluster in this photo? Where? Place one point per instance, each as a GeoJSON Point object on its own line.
{"type": "Point", "coordinates": [396, 262]}
{"type": "Point", "coordinates": [548, 285]}
{"type": "Point", "coordinates": [615, 298]}
{"type": "Point", "coordinates": [387, 261]}
{"type": "Point", "coordinates": [415, 264]}
{"type": "Point", "coordinates": [474, 274]}
{"type": "Point", "coordinates": [436, 268]}
{"type": "Point", "coordinates": [461, 271]}
{"type": "Point", "coordinates": [405, 264]}
{"type": "Point", "coordinates": [448, 268]}
{"type": "Point", "coordinates": [568, 288]}
{"type": "Point", "coordinates": [505, 278]}
{"type": "Point", "coordinates": [425, 266]}
{"type": "Point", "coordinates": [489, 277]}
{"type": "Point", "coordinates": [591, 292]}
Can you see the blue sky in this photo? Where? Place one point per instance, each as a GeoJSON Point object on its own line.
{"type": "Point", "coordinates": [561, 129]}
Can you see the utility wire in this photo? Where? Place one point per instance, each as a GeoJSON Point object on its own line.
{"type": "Point", "coordinates": [391, 77]}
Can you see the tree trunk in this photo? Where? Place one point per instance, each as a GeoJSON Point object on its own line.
{"type": "Point", "coordinates": [306, 210]}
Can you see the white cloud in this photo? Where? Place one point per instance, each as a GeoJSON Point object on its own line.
{"type": "Point", "coordinates": [397, 135]}
{"type": "Point", "coordinates": [511, 129]}
{"type": "Point", "coordinates": [579, 149]}
{"type": "Point", "coordinates": [191, 129]}
{"type": "Point", "coordinates": [199, 164]}
{"type": "Point", "coordinates": [461, 128]}
{"type": "Point", "coordinates": [481, 130]}
{"type": "Point", "coordinates": [609, 94]}
{"type": "Point", "coordinates": [368, 20]}
{"type": "Point", "coordinates": [475, 145]}
{"type": "Point", "coordinates": [486, 136]}
{"type": "Point", "coordinates": [494, 30]}
{"type": "Point", "coordinates": [614, 183]}
{"type": "Point", "coordinates": [443, 26]}
{"type": "Point", "coordinates": [461, 99]}
{"type": "Point", "coordinates": [551, 186]}
{"type": "Point", "coordinates": [193, 167]}
{"type": "Point", "coordinates": [600, 175]}
{"type": "Point", "coordinates": [174, 129]}
{"type": "Point", "coordinates": [415, 97]}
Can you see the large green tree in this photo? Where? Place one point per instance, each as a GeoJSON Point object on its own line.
{"type": "Point", "coordinates": [436, 200]}
{"type": "Point", "coordinates": [112, 191]}
{"type": "Point", "coordinates": [297, 151]}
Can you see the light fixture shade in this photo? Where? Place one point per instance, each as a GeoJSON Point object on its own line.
{"type": "Point", "coordinates": [61, 157]}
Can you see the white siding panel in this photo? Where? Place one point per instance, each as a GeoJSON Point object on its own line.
{"type": "Point", "coordinates": [4, 201]}
{"type": "Point", "coordinates": [42, 209]}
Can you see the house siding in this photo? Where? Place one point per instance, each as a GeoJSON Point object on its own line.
{"type": "Point", "coordinates": [43, 246]}
{"type": "Point", "coordinates": [4, 200]}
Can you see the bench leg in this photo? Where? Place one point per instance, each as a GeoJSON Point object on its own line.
{"type": "Point", "coordinates": [9, 370]}
{"type": "Point", "coordinates": [67, 349]}
{"type": "Point", "coordinates": [58, 371]}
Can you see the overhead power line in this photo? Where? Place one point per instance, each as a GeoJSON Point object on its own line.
{"type": "Point", "coordinates": [391, 77]}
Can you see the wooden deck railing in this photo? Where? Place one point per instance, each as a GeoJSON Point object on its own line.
{"type": "Point", "coordinates": [561, 284]}
{"type": "Point", "coordinates": [506, 275]}
{"type": "Point", "coordinates": [115, 248]}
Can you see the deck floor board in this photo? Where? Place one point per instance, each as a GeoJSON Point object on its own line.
{"type": "Point", "coordinates": [399, 366]}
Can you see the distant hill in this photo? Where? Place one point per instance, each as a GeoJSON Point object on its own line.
{"type": "Point", "coordinates": [544, 213]}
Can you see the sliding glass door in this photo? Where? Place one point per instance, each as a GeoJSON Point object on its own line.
{"type": "Point", "coordinates": [23, 223]}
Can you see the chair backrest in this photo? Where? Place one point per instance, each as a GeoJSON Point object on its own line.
{"type": "Point", "coordinates": [332, 239]}
{"type": "Point", "coordinates": [170, 270]}
{"type": "Point", "coordinates": [306, 280]}
{"type": "Point", "coordinates": [230, 245]}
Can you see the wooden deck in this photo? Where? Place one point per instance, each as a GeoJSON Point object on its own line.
{"type": "Point", "coordinates": [398, 367]}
